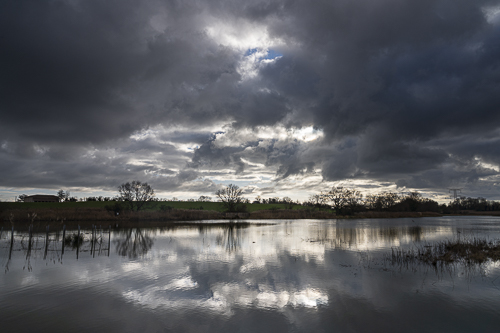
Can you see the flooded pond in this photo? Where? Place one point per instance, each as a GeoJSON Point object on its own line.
{"type": "Point", "coordinates": [264, 276]}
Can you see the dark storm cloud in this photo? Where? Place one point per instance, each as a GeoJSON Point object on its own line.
{"type": "Point", "coordinates": [187, 137]}
{"type": "Point", "coordinates": [288, 157]}
{"type": "Point", "coordinates": [404, 91]}
{"type": "Point", "coordinates": [395, 75]}
{"type": "Point", "coordinates": [88, 71]}
{"type": "Point", "coordinates": [210, 155]}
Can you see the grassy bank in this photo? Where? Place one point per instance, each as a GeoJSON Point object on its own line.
{"type": "Point", "coordinates": [152, 206]}
{"type": "Point", "coordinates": [92, 212]}
{"type": "Point", "coordinates": [89, 216]}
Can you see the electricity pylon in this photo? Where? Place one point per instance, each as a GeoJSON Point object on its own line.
{"type": "Point", "coordinates": [455, 190]}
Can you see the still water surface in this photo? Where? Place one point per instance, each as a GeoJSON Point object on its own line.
{"type": "Point", "coordinates": [277, 276]}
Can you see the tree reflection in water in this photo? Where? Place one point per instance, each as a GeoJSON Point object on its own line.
{"type": "Point", "coordinates": [230, 238]}
{"type": "Point", "coordinates": [352, 237]}
{"type": "Point", "coordinates": [416, 233]}
{"type": "Point", "coordinates": [134, 242]}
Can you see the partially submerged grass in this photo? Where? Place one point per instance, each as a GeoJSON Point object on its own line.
{"type": "Point", "coordinates": [74, 240]}
{"type": "Point", "coordinates": [470, 251]}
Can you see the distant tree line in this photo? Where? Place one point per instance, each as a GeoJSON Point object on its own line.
{"type": "Point", "coordinates": [345, 201]}
{"type": "Point", "coordinates": [476, 204]}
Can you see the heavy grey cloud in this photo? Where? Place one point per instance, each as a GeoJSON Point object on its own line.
{"type": "Point", "coordinates": [403, 92]}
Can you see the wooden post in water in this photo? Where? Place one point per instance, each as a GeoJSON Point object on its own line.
{"type": "Point", "coordinates": [95, 239]}
{"type": "Point", "coordinates": [11, 242]}
{"type": "Point", "coordinates": [64, 238]}
{"type": "Point", "coordinates": [46, 241]}
{"type": "Point", "coordinates": [100, 239]}
{"type": "Point", "coordinates": [78, 243]}
{"type": "Point", "coordinates": [30, 236]}
{"type": "Point", "coordinates": [1, 232]}
{"type": "Point", "coordinates": [109, 239]}
{"type": "Point", "coordinates": [91, 238]}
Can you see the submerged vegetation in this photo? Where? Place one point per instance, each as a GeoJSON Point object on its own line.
{"type": "Point", "coordinates": [73, 240]}
{"type": "Point", "coordinates": [469, 252]}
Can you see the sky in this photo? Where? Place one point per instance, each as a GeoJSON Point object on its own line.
{"type": "Point", "coordinates": [281, 97]}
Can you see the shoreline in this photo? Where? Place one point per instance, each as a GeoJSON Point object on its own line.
{"type": "Point", "coordinates": [95, 216]}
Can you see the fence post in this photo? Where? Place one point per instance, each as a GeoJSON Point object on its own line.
{"type": "Point", "coordinates": [109, 239]}
{"type": "Point", "coordinates": [63, 239]}
{"type": "Point", "coordinates": [93, 245]}
{"type": "Point", "coordinates": [46, 241]}
{"type": "Point", "coordinates": [91, 238]}
{"type": "Point", "coordinates": [30, 238]}
{"type": "Point", "coordinates": [78, 243]}
{"type": "Point", "coordinates": [11, 242]}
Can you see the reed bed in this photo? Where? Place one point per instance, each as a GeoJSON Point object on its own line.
{"type": "Point", "coordinates": [470, 251]}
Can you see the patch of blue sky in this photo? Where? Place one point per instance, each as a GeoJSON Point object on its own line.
{"type": "Point", "coordinates": [250, 52]}
{"type": "Point", "coordinates": [271, 54]}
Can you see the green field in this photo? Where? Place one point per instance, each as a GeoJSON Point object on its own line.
{"type": "Point", "coordinates": [216, 206]}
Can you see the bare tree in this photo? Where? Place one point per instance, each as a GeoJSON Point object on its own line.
{"type": "Point", "coordinates": [231, 197]}
{"type": "Point", "coordinates": [381, 201]}
{"type": "Point", "coordinates": [204, 198]}
{"type": "Point", "coordinates": [288, 202]}
{"type": "Point", "coordinates": [317, 200]}
{"type": "Point", "coordinates": [137, 194]}
{"type": "Point", "coordinates": [342, 199]}
{"type": "Point", "coordinates": [61, 195]}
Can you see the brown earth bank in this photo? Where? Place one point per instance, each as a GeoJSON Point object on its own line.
{"type": "Point", "coordinates": [94, 216]}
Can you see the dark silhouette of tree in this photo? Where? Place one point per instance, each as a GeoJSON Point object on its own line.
{"type": "Point", "coordinates": [137, 194]}
{"type": "Point", "coordinates": [288, 202]}
{"type": "Point", "coordinates": [61, 195]}
{"type": "Point", "coordinates": [382, 201]}
{"type": "Point", "coordinates": [231, 197]}
{"type": "Point", "coordinates": [343, 200]}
